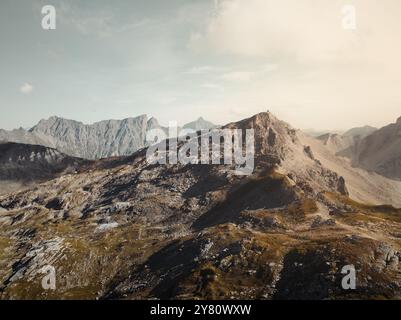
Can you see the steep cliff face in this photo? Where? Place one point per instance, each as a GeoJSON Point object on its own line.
{"type": "Point", "coordinates": [100, 140]}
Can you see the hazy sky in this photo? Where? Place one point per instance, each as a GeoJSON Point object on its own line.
{"type": "Point", "coordinates": [220, 59]}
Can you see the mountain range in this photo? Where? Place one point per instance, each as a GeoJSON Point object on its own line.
{"type": "Point", "coordinates": [99, 140]}
{"type": "Point", "coordinates": [120, 228]}
{"type": "Point", "coordinates": [337, 142]}
{"type": "Point", "coordinates": [379, 151]}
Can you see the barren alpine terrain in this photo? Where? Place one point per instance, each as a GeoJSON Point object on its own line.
{"type": "Point", "coordinates": [120, 228]}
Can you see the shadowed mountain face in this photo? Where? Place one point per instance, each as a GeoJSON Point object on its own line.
{"type": "Point", "coordinates": [23, 165]}
{"type": "Point", "coordinates": [122, 228]}
{"type": "Point", "coordinates": [100, 140]}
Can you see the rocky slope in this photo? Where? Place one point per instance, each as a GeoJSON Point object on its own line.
{"type": "Point", "coordinates": [363, 186]}
{"type": "Point", "coordinates": [99, 140]}
{"type": "Point", "coordinates": [379, 152]}
{"type": "Point", "coordinates": [123, 229]}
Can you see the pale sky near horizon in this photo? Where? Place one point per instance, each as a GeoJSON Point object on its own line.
{"type": "Point", "coordinates": [221, 59]}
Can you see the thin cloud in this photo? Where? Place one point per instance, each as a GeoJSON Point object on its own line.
{"type": "Point", "coordinates": [198, 70]}
{"type": "Point", "coordinates": [238, 76]}
{"type": "Point", "coordinates": [26, 88]}
{"type": "Point", "coordinates": [212, 86]}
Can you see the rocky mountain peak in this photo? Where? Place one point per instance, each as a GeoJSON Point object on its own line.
{"type": "Point", "coordinates": [200, 124]}
{"type": "Point", "coordinates": [153, 124]}
{"type": "Point", "coordinates": [53, 123]}
{"type": "Point", "coordinates": [272, 136]}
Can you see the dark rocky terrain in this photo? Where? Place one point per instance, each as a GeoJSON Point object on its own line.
{"type": "Point", "coordinates": [120, 228]}
{"type": "Point", "coordinates": [22, 165]}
